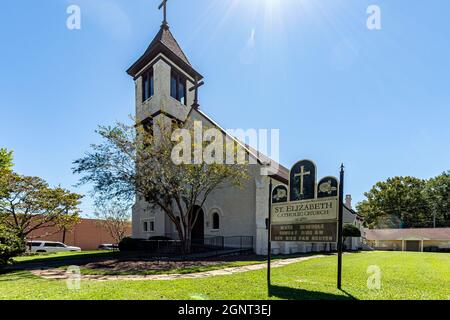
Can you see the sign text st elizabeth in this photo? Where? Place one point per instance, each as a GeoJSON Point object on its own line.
{"type": "Point", "coordinates": [304, 211]}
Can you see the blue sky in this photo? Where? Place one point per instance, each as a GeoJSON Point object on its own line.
{"type": "Point", "coordinates": [379, 101]}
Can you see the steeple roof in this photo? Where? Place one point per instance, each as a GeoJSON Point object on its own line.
{"type": "Point", "coordinates": [164, 42]}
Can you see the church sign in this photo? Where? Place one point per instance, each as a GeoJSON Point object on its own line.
{"type": "Point", "coordinates": [311, 214]}
{"type": "Point", "coordinates": [305, 211]}
{"type": "Point", "coordinates": [306, 232]}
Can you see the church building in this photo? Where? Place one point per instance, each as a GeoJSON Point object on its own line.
{"type": "Point", "coordinates": [163, 77]}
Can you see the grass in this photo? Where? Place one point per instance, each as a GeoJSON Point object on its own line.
{"type": "Point", "coordinates": [404, 276]}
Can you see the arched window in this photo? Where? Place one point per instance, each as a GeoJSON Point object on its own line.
{"type": "Point", "coordinates": [215, 221]}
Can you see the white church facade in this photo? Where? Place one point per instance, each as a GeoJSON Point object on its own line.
{"type": "Point", "coordinates": [163, 76]}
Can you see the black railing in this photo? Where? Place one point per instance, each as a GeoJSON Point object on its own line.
{"type": "Point", "coordinates": [238, 242]}
{"type": "Point", "coordinates": [207, 244]}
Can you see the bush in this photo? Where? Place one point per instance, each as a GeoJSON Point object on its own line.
{"type": "Point", "coordinates": [10, 245]}
{"type": "Point", "coordinates": [351, 231]}
{"type": "Point", "coordinates": [129, 244]}
{"type": "Point", "coordinates": [159, 238]}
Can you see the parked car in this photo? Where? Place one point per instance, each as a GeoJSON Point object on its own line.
{"type": "Point", "coordinates": [108, 246]}
{"type": "Point", "coordinates": [50, 246]}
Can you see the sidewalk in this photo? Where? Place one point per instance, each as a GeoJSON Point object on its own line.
{"type": "Point", "coordinates": [60, 274]}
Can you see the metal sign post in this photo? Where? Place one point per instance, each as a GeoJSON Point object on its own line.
{"type": "Point", "coordinates": [340, 227]}
{"type": "Point", "coordinates": [269, 242]}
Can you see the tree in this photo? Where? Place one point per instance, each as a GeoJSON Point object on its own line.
{"type": "Point", "coordinates": [398, 202]}
{"type": "Point", "coordinates": [437, 193]}
{"type": "Point", "coordinates": [10, 245]}
{"type": "Point", "coordinates": [6, 165]}
{"type": "Point", "coordinates": [28, 204]}
{"type": "Point", "coordinates": [137, 160]}
{"type": "Point", "coordinates": [5, 160]}
{"type": "Point", "coordinates": [115, 219]}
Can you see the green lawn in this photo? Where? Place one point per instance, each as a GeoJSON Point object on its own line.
{"type": "Point", "coordinates": [404, 276]}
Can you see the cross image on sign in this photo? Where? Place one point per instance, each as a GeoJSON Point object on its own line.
{"type": "Point", "coordinates": [302, 183]}
{"type": "Point", "coordinates": [301, 175]}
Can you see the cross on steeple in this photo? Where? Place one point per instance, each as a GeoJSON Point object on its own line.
{"type": "Point", "coordinates": [164, 6]}
{"type": "Point", "coordinates": [197, 85]}
{"type": "Point", "coordinates": [301, 175]}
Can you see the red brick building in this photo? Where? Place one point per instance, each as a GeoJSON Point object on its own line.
{"type": "Point", "coordinates": [88, 235]}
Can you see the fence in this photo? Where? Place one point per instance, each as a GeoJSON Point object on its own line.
{"type": "Point", "coordinates": [207, 244]}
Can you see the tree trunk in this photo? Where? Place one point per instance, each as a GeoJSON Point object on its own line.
{"type": "Point", "coordinates": [64, 235]}
{"type": "Point", "coordinates": [187, 243]}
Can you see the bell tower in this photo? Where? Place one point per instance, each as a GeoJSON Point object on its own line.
{"type": "Point", "coordinates": [164, 80]}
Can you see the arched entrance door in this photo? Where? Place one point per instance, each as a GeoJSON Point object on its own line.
{"type": "Point", "coordinates": [198, 232]}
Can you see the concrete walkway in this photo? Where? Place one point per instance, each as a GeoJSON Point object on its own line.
{"type": "Point", "coordinates": [61, 274]}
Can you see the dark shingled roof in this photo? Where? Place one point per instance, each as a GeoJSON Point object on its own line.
{"type": "Point", "coordinates": [164, 42]}
{"type": "Point", "coordinates": [166, 38]}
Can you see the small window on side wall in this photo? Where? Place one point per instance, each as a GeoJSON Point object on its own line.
{"type": "Point", "coordinates": [216, 221]}
{"type": "Point", "coordinates": [152, 226]}
{"type": "Point", "coordinates": [178, 87]}
{"type": "Point", "coordinates": [148, 85]}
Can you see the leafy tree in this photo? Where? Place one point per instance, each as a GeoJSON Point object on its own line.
{"type": "Point", "coordinates": [135, 160]}
{"type": "Point", "coordinates": [29, 204]}
{"type": "Point", "coordinates": [437, 192]}
{"type": "Point", "coordinates": [10, 245]}
{"type": "Point", "coordinates": [6, 165]}
{"type": "Point", "coordinates": [115, 219]}
{"type": "Point", "coordinates": [398, 202]}
{"type": "Point", "coordinates": [6, 159]}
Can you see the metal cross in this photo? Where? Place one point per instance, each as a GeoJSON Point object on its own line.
{"type": "Point", "coordinates": [195, 87]}
{"type": "Point", "coordinates": [301, 175]}
{"type": "Point", "coordinates": [164, 5]}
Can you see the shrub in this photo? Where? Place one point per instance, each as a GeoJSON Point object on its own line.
{"type": "Point", "coordinates": [129, 244]}
{"type": "Point", "coordinates": [351, 231]}
{"type": "Point", "coordinates": [160, 238]}
{"type": "Point", "coordinates": [10, 245]}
